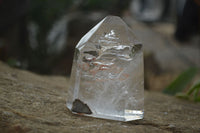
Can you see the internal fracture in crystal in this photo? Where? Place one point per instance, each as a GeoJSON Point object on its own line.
{"type": "Point", "coordinates": [107, 79]}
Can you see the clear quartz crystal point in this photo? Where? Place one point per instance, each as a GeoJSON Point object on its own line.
{"type": "Point", "coordinates": [107, 79]}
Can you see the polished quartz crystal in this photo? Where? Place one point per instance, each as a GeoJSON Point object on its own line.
{"type": "Point", "coordinates": [107, 79]}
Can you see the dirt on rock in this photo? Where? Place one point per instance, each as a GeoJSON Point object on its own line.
{"type": "Point", "coordinates": [36, 104]}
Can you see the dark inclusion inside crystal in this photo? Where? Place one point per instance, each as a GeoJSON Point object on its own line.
{"type": "Point", "coordinates": [80, 107]}
{"type": "Point", "coordinates": [94, 53]}
{"type": "Point", "coordinates": [136, 47]}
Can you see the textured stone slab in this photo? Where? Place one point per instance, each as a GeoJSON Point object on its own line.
{"type": "Point", "coordinates": [33, 103]}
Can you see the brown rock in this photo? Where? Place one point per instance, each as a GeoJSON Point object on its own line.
{"type": "Point", "coordinates": [33, 103]}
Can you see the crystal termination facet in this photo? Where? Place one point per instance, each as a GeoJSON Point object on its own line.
{"type": "Point", "coordinates": [107, 79]}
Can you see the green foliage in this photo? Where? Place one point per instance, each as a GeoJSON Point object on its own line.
{"type": "Point", "coordinates": [193, 91]}
{"type": "Point", "coordinates": [12, 62]}
{"type": "Point", "coordinates": [180, 83]}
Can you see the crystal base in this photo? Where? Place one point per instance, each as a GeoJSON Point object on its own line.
{"type": "Point", "coordinates": [129, 115]}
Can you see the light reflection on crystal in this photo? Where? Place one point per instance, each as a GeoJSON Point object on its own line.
{"type": "Point", "coordinates": [107, 73]}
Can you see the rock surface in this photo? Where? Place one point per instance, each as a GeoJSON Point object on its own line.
{"type": "Point", "coordinates": [33, 103]}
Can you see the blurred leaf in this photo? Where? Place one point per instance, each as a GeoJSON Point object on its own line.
{"type": "Point", "coordinates": [12, 62]}
{"type": "Point", "coordinates": [197, 100]}
{"type": "Point", "coordinates": [181, 81]}
{"type": "Point", "coordinates": [193, 90]}
{"type": "Point", "coordinates": [182, 95]}
{"type": "Point", "coordinates": [196, 92]}
{"type": "Point", "coordinates": [196, 86]}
